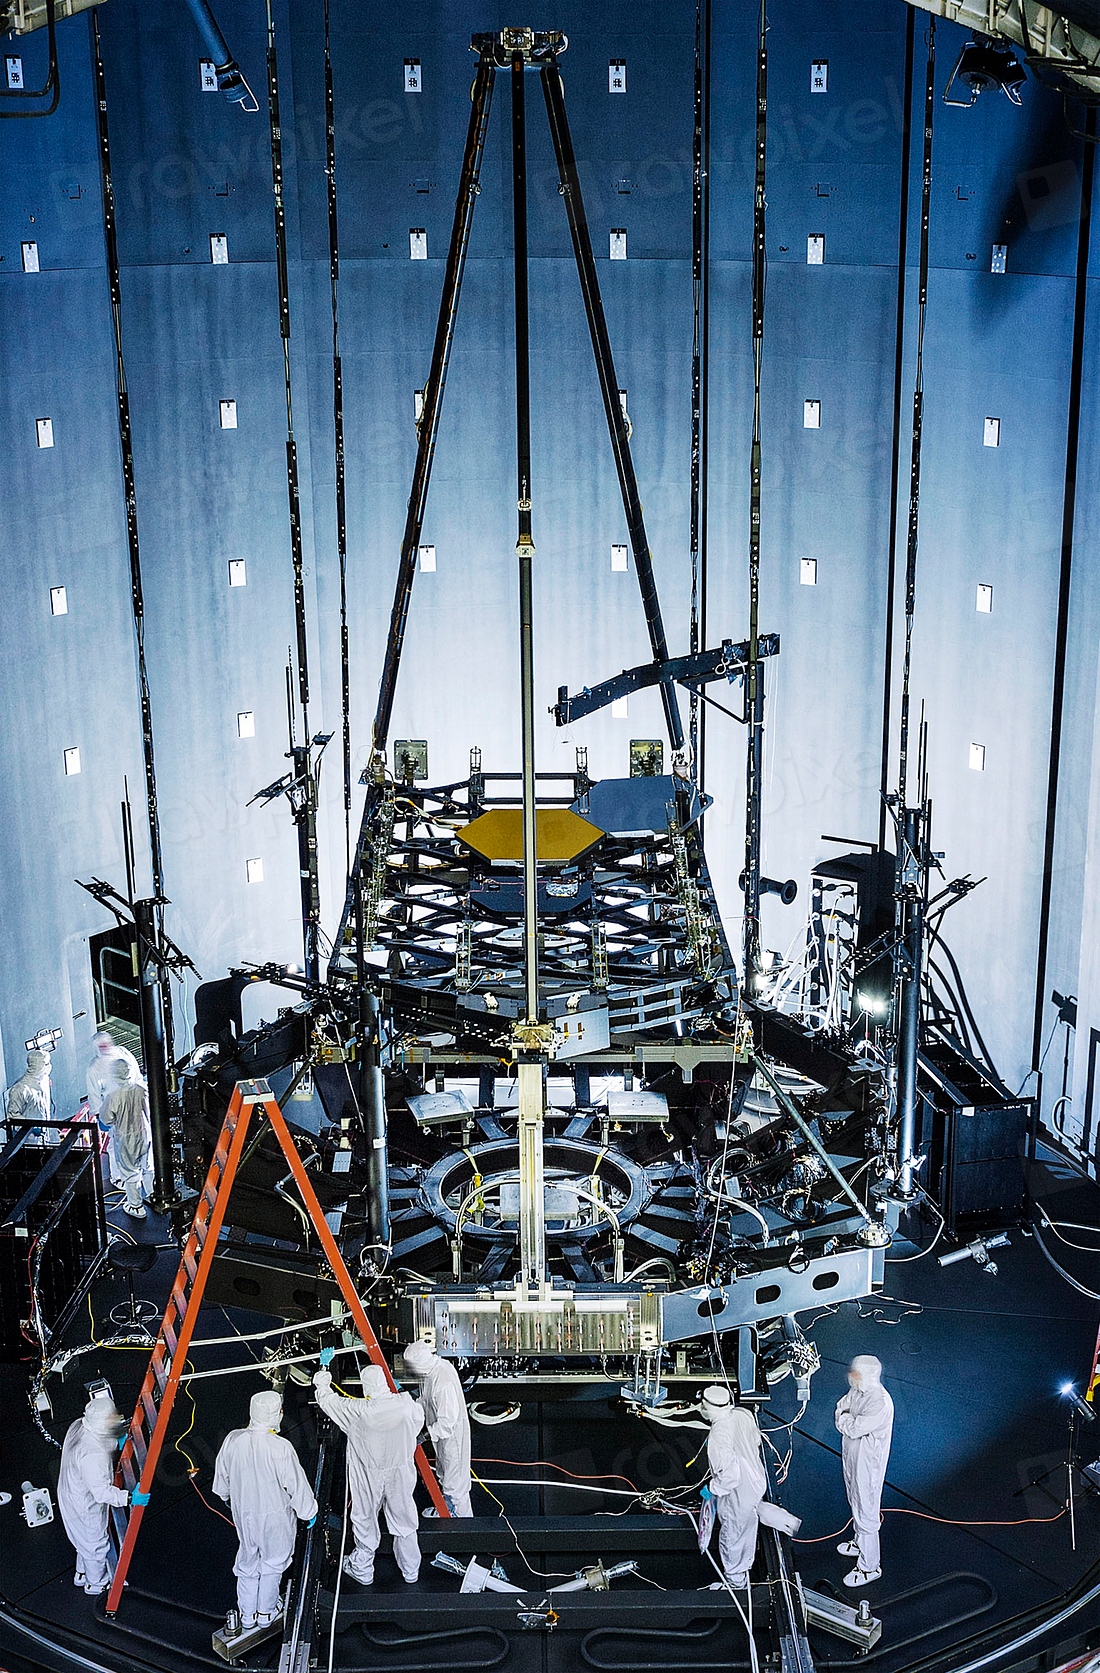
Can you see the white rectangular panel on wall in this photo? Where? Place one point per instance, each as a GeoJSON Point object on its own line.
{"type": "Point", "coordinates": [246, 724]}
{"type": "Point", "coordinates": [13, 67]}
{"type": "Point", "coordinates": [72, 762]}
{"type": "Point", "coordinates": [811, 415]}
{"type": "Point", "coordinates": [991, 432]}
{"type": "Point", "coordinates": [807, 572]}
{"type": "Point", "coordinates": [238, 572]}
{"type": "Point", "coordinates": [418, 405]}
{"type": "Point", "coordinates": [819, 75]}
{"type": "Point", "coordinates": [59, 602]}
{"type": "Point", "coordinates": [44, 431]}
{"type": "Point", "coordinates": [219, 249]}
{"type": "Point", "coordinates": [999, 261]}
{"type": "Point", "coordinates": [208, 76]}
{"type": "Point", "coordinates": [616, 76]}
{"type": "Point", "coordinates": [427, 560]}
{"type": "Point", "coordinates": [984, 604]}
{"type": "Point", "coordinates": [977, 758]}
{"type": "Point", "coordinates": [414, 82]}
{"type": "Point", "coordinates": [815, 249]}
{"type": "Point", "coordinates": [227, 414]}
{"type": "Point", "coordinates": [418, 244]}
{"type": "Point", "coordinates": [617, 244]}
{"type": "Point", "coordinates": [29, 250]}
{"type": "Point", "coordinates": [619, 559]}
{"type": "Point", "coordinates": [254, 871]}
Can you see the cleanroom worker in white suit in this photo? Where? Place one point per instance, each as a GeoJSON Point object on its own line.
{"type": "Point", "coordinates": [737, 1481]}
{"type": "Point", "coordinates": [448, 1423]}
{"type": "Point", "coordinates": [382, 1430]}
{"type": "Point", "coordinates": [259, 1473]}
{"type": "Point", "coordinates": [865, 1418]}
{"type": "Point", "coordinates": [86, 1490]}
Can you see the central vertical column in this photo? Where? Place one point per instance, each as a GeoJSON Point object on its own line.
{"type": "Point", "coordinates": [532, 1222]}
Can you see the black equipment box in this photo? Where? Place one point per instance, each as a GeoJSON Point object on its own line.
{"type": "Point", "coordinates": [975, 1135]}
{"type": "Point", "coordinates": [53, 1236]}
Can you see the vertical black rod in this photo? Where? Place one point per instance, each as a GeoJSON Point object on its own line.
{"type": "Point", "coordinates": [338, 438]}
{"type": "Point", "coordinates": [895, 451]}
{"type": "Point", "coordinates": [910, 957]}
{"type": "Point", "coordinates": [918, 412]}
{"type": "Point", "coordinates": [427, 429]}
{"type": "Point", "coordinates": [525, 545]}
{"type": "Point", "coordinates": [754, 676]}
{"type": "Point", "coordinates": [1065, 578]}
{"type": "Point", "coordinates": [700, 274]}
{"type": "Point", "coordinates": [570, 188]}
{"type": "Point", "coordinates": [372, 1096]}
{"type": "Point", "coordinates": [165, 1192]}
{"type": "Point", "coordinates": [282, 272]}
{"type": "Point", "coordinates": [137, 599]}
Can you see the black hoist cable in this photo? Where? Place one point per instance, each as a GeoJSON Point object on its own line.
{"type": "Point", "coordinates": [284, 327]}
{"type": "Point", "coordinates": [338, 436]}
{"type": "Point", "coordinates": [700, 265]}
{"type": "Point", "coordinates": [918, 412]}
{"type": "Point", "coordinates": [754, 688]}
{"type": "Point", "coordinates": [125, 438]}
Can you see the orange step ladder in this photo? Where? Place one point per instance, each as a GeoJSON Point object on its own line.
{"type": "Point", "coordinates": [1094, 1374]}
{"type": "Point", "coordinates": [149, 1424]}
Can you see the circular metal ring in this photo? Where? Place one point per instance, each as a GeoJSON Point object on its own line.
{"type": "Point", "coordinates": [564, 1157]}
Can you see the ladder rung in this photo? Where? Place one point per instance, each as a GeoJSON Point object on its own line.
{"type": "Point", "coordinates": [140, 1450]}
{"type": "Point", "coordinates": [150, 1407]}
{"type": "Point", "coordinates": [190, 1265]}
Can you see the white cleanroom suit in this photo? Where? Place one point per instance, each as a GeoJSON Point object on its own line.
{"type": "Point", "coordinates": [126, 1117]}
{"type": "Point", "coordinates": [29, 1097]}
{"type": "Point", "coordinates": [86, 1490]}
{"type": "Point", "coordinates": [101, 1083]}
{"type": "Point", "coordinates": [257, 1470]}
{"type": "Point", "coordinates": [737, 1481]}
{"type": "Point", "coordinates": [381, 1429]}
{"type": "Point", "coordinates": [865, 1418]}
{"type": "Point", "coordinates": [448, 1423]}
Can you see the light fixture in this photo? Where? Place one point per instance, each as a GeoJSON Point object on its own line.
{"type": "Point", "coordinates": [984, 63]}
{"type": "Point", "coordinates": [1080, 1406]}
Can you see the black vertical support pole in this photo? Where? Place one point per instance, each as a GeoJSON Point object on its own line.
{"type": "Point", "coordinates": [570, 188]}
{"type": "Point", "coordinates": [428, 427]}
{"type": "Point", "coordinates": [1061, 639]}
{"type": "Point", "coordinates": [912, 864]}
{"type": "Point", "coordinates": [700, 274]}
{"type": "Point", "coordinates": [754, 674]}
{"type": "Point", "coordinates": [895, 450]}
{"type": "Point", "coordinates": [165, 1193]}
{"type": "Point", "coordinates": [338, 438]}
{"type": "Point", "coordinates": [525, 545]}
{"type": "Point", "coordinates": [137, 598]}
{"type": "Point", "coordinates": [372, 1099]}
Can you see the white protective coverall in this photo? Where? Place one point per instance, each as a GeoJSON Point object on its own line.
{"type": "Point", "coordinates": [448, 1423]}
{"type": "Point", "coordinates": [737, 1481]}
{"type": "Point", "coordinates": [865, 1418]}
{"type": "Point", "coordinates": [29, 1097]}
{"type": "Point", "coordinates": [85, 1490]}
{"type": "Point", "coordinates": [381, 1429]}
{"type": "Point", "coordinates": [101, 1083]}
{"type": "Point", "coordinates": [257, 1470]}
{"type": "Point", "coordinates": [126, 1117]}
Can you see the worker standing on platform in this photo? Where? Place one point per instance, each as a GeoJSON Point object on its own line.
{"type": "Point", "coordinates": [258, 1472]}
{"type": "Point", "coordinates": [126, 1118]}
{"type": "Point", "coordinates": [86, 1490]}
{"type": "Point", "coordinates": [865, 1418]}
{"type": "Point", "coordinates": [29, 1097]}
{"type": "Point", "coordinates": [737, 1481]}
{"type": "Point", "coordinates": [101, 1083]}
{"type": "Point", "coordinates": [381, 1429]}
{"type": "Point", "coordinates": [448, 1423]}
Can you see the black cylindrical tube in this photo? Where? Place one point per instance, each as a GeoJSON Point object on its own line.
{"type": "Point", "coordinates": [909, 996]}
{"type": "Point", "coordinates": [372, 1101]}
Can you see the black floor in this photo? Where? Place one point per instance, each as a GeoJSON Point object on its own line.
{"type": "Point", "coordinates": [975, 1530]}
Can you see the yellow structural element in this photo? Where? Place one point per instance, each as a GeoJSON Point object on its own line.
{"type": "Point", "coordinates": [560, 836]}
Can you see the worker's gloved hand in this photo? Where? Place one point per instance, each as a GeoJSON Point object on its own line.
{"type": "Point", "coordinates": [312, 1523]}
{"type": "Point", "coordinates": [137, 1497]}
{"type": "Point", "coordinates": [327, 1355]}
{"type": "Point", "coordinates": [322, 1379]}
{"type": "Point", "coordinates": [705, 1494]}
